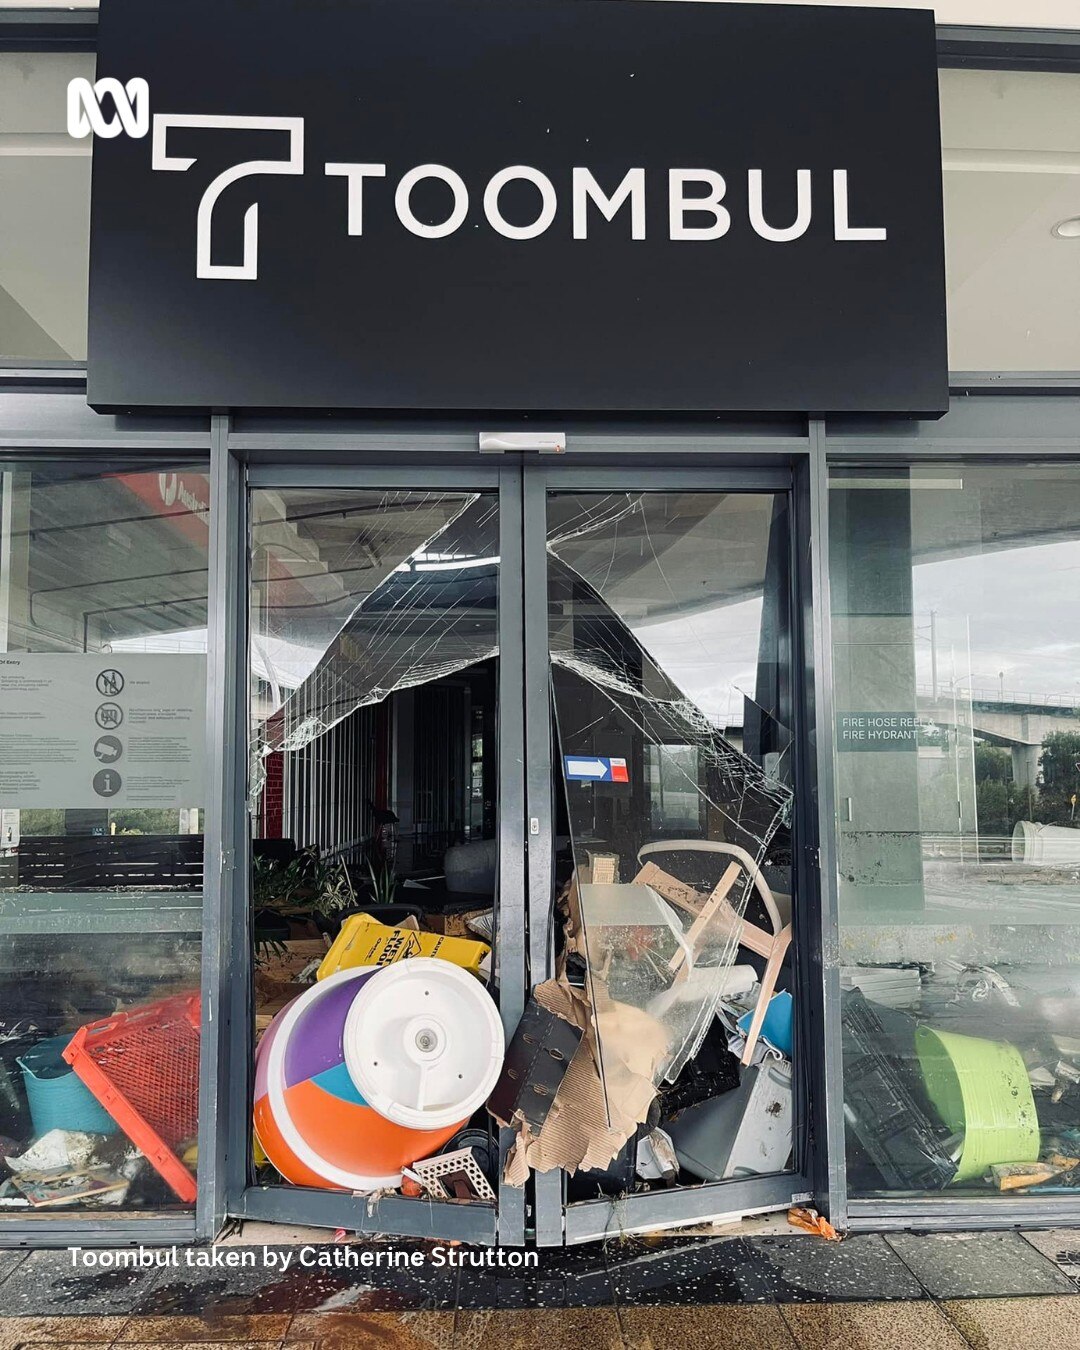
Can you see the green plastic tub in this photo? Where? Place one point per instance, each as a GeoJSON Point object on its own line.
{"type": "Point", "coordinates": [980, 1088]}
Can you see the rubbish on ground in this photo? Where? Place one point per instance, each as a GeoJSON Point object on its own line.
{"type": "Point", "coordinates": [898, 986]}
{"type": "Point", "coordinates": [981, 1088]}
{"type": "Point", "coordinates": [980, 983]}
{"type": "Point", "coordinates": [57, 1096]}
{"type": "Point", "coordinates": [56, 1150]}
{"type": "Point", "coordinates": [460, 923]}
{"type": "Point", "coordinates": [1019, 1176]}
{"type": "Point", "coordinates": [591, 1120]}
{"type": "Point", "coordinates": [656, 1157]}
{"type": "Point", "coordinates": [142, 1065]}
{"type": "Point", "coordinates": [885, 1102]}
{"type": "Point", "coordinates": [776, 1027]}
{"type": "Point", "coordinates": [713, 1070]}
{"type": "Point", "coordinates": [810, 1221]}
{"type": "Point", "coordinates": [98, 1185]}
{"type": "Point", "coordinates": [482, 924]}
{"type": "Point", "coordinates": [10, 1198]}
{"type": "Point", "coordinates": [746, 1132]}
{"type": "Point", "coordinates": [617, 1177]}
{"type": "Point", "coordinates": [485, 1149]}
{"type": "Point", "coordinates": [453, 1176]}
{"type": "Point", "coordinates": [536, 1062]}
{"type": "Point", "coordinates": [363, 941]}
{"type": "Point", "coordinates": [311, 1116]}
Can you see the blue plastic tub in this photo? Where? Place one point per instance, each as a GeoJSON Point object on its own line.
{"type": "Point", "coordinates": [58, 1097]}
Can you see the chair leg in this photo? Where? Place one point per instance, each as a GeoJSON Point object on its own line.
{"type": "Point", "coordinates": [768, 984]}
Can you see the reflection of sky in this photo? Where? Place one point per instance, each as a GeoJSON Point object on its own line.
{"type": "Point", "coordinates": [1022, 607]}
{"type": "Point", "coordinates": [710, 654]}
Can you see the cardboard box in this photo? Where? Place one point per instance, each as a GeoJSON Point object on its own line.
{"type": "Point", "coordinates": [452, 925]}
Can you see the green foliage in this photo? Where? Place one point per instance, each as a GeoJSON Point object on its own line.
{"type": "Point", "coordinates": [40, 821]}
{"type": "Point", "coordinates": [1059, 778]}
{"type": "Point", "coordinates": [999, 801]}
{"type": "Point", "coordinates": [383, 882]}
{"type": "Point", "coordinates": [307, 884]}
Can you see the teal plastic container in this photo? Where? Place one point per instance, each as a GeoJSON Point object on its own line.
{"type": "Point", "coordinates": [58, 1097]}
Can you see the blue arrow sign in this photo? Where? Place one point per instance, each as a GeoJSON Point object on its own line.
{"type": "Point", "coordinates": [595, 769]}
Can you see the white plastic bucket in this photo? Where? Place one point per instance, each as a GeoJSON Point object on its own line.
{"type": "Point", "coordinates": [424, 1043]}
{"type": "Point", "coordinates": [1045, 845]}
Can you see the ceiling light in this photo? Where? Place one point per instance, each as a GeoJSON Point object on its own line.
{"type": "Point", "coordinates": [1067, 229]}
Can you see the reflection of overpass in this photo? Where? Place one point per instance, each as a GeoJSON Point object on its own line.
{"type": "Point", "coordinates": [1019, 723]}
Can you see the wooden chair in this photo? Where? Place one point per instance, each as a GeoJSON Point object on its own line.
{"type": "Point", "coordinates": [715, 908]}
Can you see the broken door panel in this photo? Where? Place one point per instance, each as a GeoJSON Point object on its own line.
{"type": "Point", "coordinates": [665, 609]}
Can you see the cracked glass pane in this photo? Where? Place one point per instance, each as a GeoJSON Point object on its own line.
{"type": "Point", "coordinates": [668, 624]}
{"type": "Point", "coordinates": [355, 595]}
{"type": "Point", "coordinates": [374, 744]}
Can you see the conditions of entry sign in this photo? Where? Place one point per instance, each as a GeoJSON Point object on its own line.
{"type": "Point", "coordinates": [544, 204]}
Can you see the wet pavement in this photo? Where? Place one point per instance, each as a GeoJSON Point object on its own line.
{"type": "Point", "coordinates": [983, 1291]}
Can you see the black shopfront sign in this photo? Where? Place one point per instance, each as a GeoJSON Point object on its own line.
{"type": "Point", "coordinates": [518, 204]}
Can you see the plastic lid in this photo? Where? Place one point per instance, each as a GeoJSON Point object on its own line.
{"type": "Point", "coordinates": [424, 1043]}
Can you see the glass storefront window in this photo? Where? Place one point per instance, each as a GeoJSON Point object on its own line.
{"type": "Point", "coordinates": [957, 763]}
{"type": "Point", "coordinates": [1011, 158]}
{"type": "Point", "coordinates": [44, 209]}
{"type": "Point", "coordinates": [103, 628]}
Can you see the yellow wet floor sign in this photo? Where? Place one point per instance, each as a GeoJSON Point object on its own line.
{"type": "Point", "coordinates": [363, 941]}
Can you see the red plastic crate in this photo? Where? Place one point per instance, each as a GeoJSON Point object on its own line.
{"type": "Point", "coordinates": [143, 1067]}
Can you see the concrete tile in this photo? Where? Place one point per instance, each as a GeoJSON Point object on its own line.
{"type": "Point", "coordinates": [209, 1294]}
{"type": "Point", "coordinates": [1004, 1323]}
{"type": "Point", "coordinates": [680, 1273]}
{"type": "Point", "coordinates": [8, 1261]}
{"type": "Point", "coordinates": [47, 1284]}
{"type": "Point", "coordinates": [871, 1326]}
{"type": "Point", "coordinates": [59, 1331]}
{"type": "Point", "coordinates": [862, 1268]}
{"type": "Point", "coordinates": [575, 1277]}
{"type": "Point", "coordinates": [389, 1330]}
{"type": "Point", "coordinates": [1060, 1245]}
{"type": "Point", "coordinates": [551, 1328]}
{"type": "Point", "coordinates": [206, 1345]}
{"type": "Point", "coordinates": [977, 1265]}
{"type": "Point", "coordinates": [715, 1328]}
{"type": "Point", "coordinates": [231, 1327]}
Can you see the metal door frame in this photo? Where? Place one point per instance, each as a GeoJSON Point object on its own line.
{"type": "Point", "coordinates": [504, 1222]}
{"type": "Point", "coordinates": [557, 1222]}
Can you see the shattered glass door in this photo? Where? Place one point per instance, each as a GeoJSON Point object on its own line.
{"type": "Point", "coordinates": [669, 618]}
{"type": "Point", "coordinates": [374, 792]}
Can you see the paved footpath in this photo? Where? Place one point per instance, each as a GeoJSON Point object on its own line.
{"type": "Point", "coordinates": [957, 1291]}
